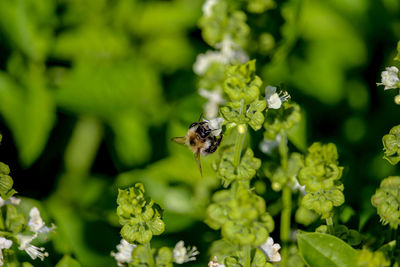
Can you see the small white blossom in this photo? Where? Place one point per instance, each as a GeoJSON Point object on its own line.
{"type": "Point", "coordinates": [215, 126]}
{"type": "Point", "coordinates": [36, 223]}
{"type": "Point", "coordinates": [298, 186]}
{"type": "Point", "coordinates": [274, 99]}
{"type": "Point", "coordinates": [390, 77]}
{"type": "Point", "coordinates": [214, 100]}
{"type": "Point", "coordinates": [271, 250]}
{"type": "Point", "coordinates": [12, 200]}
{"type": "Point", "coordinates": [203, 61]}
{"type": "Point", "coordinates": [214, 263]}
{"type": "Point", "coordinates": [231, 52]}
{"type": "Point", "coordinates": [33, 251]}
{"type": "Point", "coordinates": [267, 146]}
{"type": "Point", "coordinates": [4, 244]}
{"type": "Point", "coordinates": [124, 253]}
{"type": "Point", "coordinates": [207, 7]}
{"type": "Point", "coordinates": [182, 254]}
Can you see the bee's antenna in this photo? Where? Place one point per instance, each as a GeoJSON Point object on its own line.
{"type": "Point", "coordinates": [201, 115]}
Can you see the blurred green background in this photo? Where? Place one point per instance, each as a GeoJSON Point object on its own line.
{"type": "Point", "coordinates": [92, 91]}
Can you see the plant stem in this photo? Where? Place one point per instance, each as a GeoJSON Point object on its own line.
{"type": "Point", "coordinates": [247, 255]}
{"type": "Point", "coordinates": [285, 221]}
{"type": "Point", "coordinates": [149, 255]}
{"type": "Point", "coordinates": [329, 223]}
{"type": "Point", "coordinates": [241, 135]}
{"type": "Point", "coordinates": [286, 201]}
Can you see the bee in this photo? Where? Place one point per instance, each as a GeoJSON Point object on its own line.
{"type": "Point", "coordinates": [202, 137]}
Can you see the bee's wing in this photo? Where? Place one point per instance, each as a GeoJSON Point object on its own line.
{"type": "Point", "coordinates": [198, 161]}
{"type": "Point", "coordinates": [179, 140]}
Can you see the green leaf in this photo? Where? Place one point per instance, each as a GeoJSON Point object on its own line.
{"type": "Point", "coordinates": [325, 250]}
{"type": "Point", "coordinates": [29, 111]}
{"type": "Point", "coordinates": [67, 261]}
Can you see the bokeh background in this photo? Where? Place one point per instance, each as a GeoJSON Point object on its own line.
{"type": "Point", "coordinates": [92, 91]}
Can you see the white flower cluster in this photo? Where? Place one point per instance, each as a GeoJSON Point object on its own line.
{"type": "Point", "coordinates": [182, 254]}
{"type": "Point", "coordinates": [12, 200]}
{"type": "Point", "coordinates": [215, 99]}
{"type": "Point", "coordinates": [36, 225]}
{"type": "Point", "coordinates": [124, 254]}
{"type": "Point", "coordinates": [390, 78]}
{"type": "Point", "coordinates": [271, 250]}
{"type": "Point", "coordinates": [4, 244]}
{"type": "Point", "coordinates": [229, 53]}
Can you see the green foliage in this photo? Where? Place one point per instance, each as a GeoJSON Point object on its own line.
{"type": "Point", "coordinates": [391, 146]}
{"type": "Point", "coordinates": [321, 176]}
{"type": "Point", "coordinates": [319, 249]}
{"type": "Point", "coordinates": [386, 200]}
{"type": "Point", "coordinates": [140, 216]}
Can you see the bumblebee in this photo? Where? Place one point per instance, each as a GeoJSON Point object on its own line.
{"type": "Point", "coordinates": [203, 138]}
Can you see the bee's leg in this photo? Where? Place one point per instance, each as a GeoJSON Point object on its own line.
{"type": "Point", "coordinates": [198, 161]}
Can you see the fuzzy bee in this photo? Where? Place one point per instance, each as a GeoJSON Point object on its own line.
{"type": "Point", "coordinates": [203, 138]}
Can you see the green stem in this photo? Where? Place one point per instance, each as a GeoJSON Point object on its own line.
{"type": "Point", "coordinates": [286, 202]}
{"type": "Point", "coordinates": [149, 255]}
{"type": "Point", "coordinates": [247, 256]}
{"type": "Point", "coordinates": [241, 135]}
{"type": "Point", "coordinates": [329, 223]}
{"type": "Point", "coordinates": [285, 221]}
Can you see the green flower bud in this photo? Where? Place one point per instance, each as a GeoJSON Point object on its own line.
{"type": "Point", "coordinates": [242, 82]}
{"type": "Point", "coordinates": [241, 216]}
{"type": "Point", "coordinates": [391, 145]}
{"type": "Point", "coordinates": [255, 115]}
{"type": "Point", "coordinates": [164, 257]}
{"type": "Point", "coordinates": [227, 171]}
{"type": "Point", "coordinates": [366, 258]}
{"type": "Point", "coordinates": [4, 169]}
{"type": "Point", "coordinates": [140, 216]}
{"type": "Point", "coordinates": [386, 200]}
{"type": "Point", "coordinates": [15, 221]}
{"type": "Point", "coordinates": [6, 184]}
{"type": "Point", "coordinates": [232, 261]}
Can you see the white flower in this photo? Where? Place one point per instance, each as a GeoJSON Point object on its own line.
{"type": "Point", "coordinates": [214, 100]}
{"type": "Point", "coordinates": [390, 78]}
{"type": "Point", "coordinates": [298, 186]}
{"type": "Point", "coordinates": [271, 250]}
{"type": "Point", "coordinates": [182, 254]}
{"type": "Point", "coordinates": [124, 253]}
{"type": "Point", "coordinates": [267, 146]}
{"type": "Point", "coordinates": [203, 61]}
{"type": "Point", "coordinates": [12, 200]}
{"type": "Point", "coordinates": [33, 251]}
{"type": "Point", "coordinates": [275, 100]}
{"type": "Point", "coordinates": [207, 7]}
{"type": "Point", "coordinates": [36, 223]}
{"type": "Point", "coordinates": [231, 52]}
{"type": "Point", "coordinates": [214, 263]}
{"type": "Point", "coordinates": [4, 244]}
{"type": "Point", "coordinates": [215, 126]}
